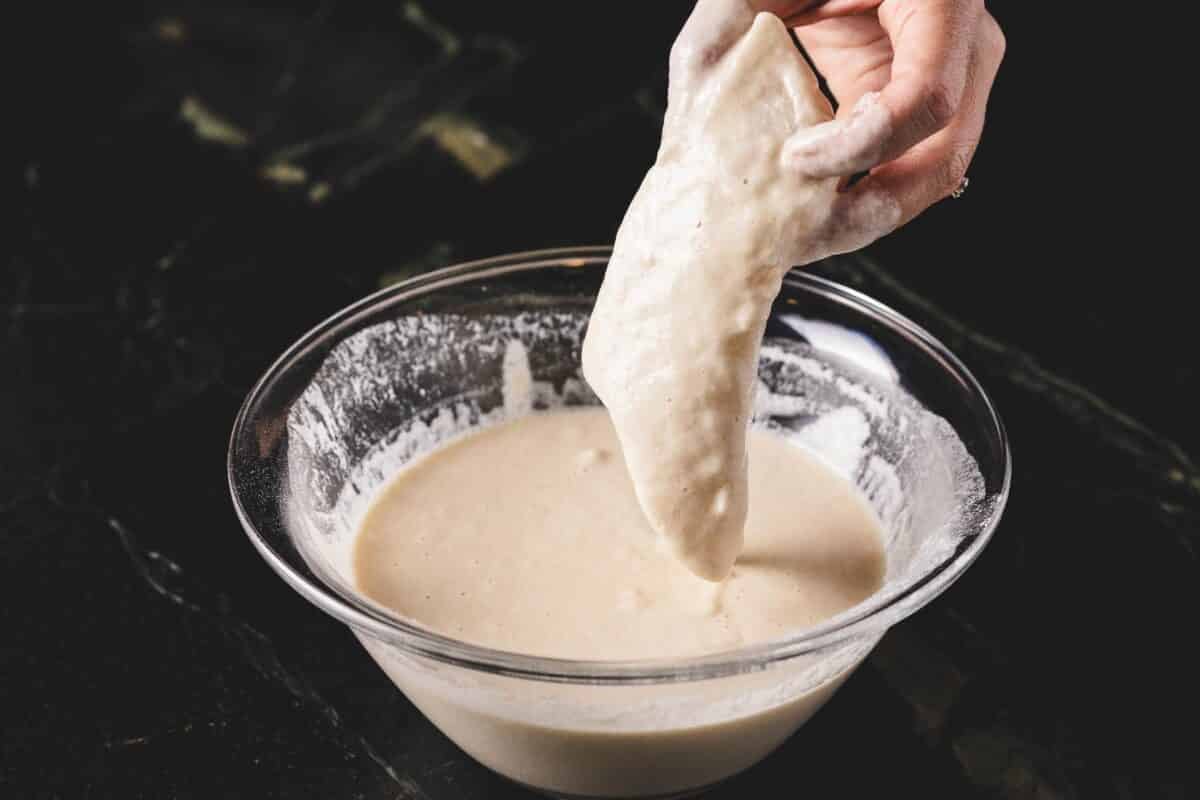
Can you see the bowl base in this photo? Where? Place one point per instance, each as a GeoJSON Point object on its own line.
{"type": "Point", "coordinates": [680, 795]}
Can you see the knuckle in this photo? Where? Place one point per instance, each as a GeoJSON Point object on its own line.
{"type": "Point", "coordinates": [688, 59]}
{"type": "Point", "coordinates": [954, 168]}
{"type": "Point", "coordinates": [679, 57]}
{"type": "Point", "coordinates": [938, 105]}
{"type": "Point", "coordinates": [992, 36]}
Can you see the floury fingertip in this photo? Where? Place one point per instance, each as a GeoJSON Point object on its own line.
{"type": "Point", "coordinates": [842, 146]}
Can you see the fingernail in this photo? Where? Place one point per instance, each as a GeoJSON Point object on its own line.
{"type": "Point", "coordinates": [844, 146]}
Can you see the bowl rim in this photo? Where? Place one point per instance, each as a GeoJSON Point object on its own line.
{"type": "Point", "coordinates": [871, 617]}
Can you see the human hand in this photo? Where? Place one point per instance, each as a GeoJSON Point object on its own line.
{"type": "Point", "coordinates": [911, 79]}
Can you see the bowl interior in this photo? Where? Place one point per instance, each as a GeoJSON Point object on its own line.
{"type": "Point", "coordinates": [410, 368]}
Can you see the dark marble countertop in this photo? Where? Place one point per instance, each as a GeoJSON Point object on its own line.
{"type": "Point", "coordinates": [197, 185]}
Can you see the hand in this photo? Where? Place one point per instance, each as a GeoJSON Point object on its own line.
{"type": "Point", "coordinates": [911, 78]}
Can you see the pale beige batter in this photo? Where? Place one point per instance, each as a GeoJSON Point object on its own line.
{"type": "Point", "coordinates": [528, 537]}
{"type": "Point", "coordinates": [673, 341]}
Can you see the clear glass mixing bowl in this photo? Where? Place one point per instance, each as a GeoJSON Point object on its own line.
{"type": "Point", "coordinates": [392, 375]}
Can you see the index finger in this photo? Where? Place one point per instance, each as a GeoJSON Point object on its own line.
{"type": "Point", "coordinates": [931, 41]}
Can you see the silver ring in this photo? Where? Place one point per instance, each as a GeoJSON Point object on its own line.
{"type": "Point", "coordinates": [962, 187]}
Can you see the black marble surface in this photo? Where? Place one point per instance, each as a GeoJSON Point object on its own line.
{"type": "Point", "coordinates": [197, 184]}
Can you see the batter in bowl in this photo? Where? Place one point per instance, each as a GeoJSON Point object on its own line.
{"type": "Point", "coordinates": [527, 537]}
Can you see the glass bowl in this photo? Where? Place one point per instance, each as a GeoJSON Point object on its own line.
{"type": "Point", "coordinates": [387, 378]}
